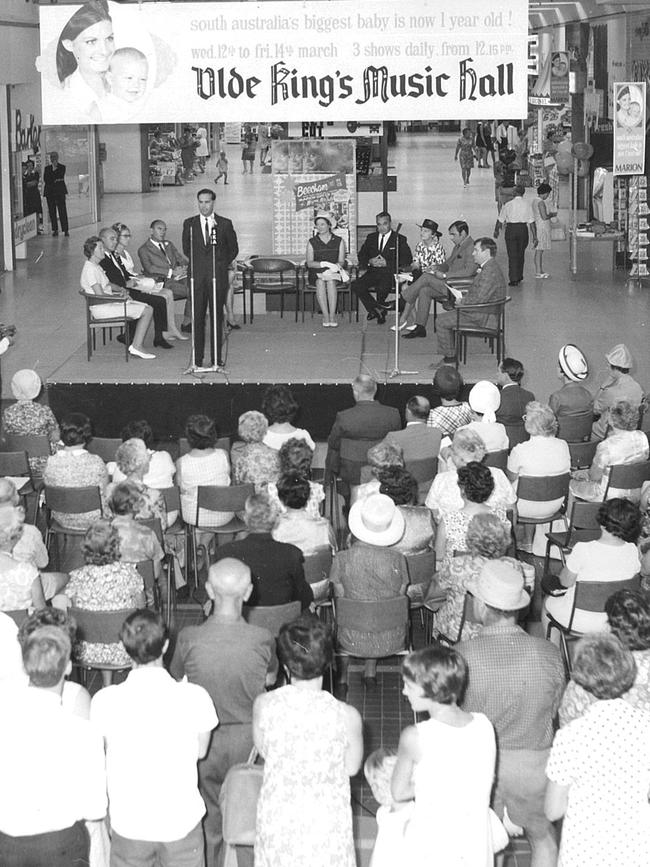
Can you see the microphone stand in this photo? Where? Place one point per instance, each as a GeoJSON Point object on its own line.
{"type": "Point", "coordinates": [192, 368]}
{"type": "Point", "coordinates": [396, 370]}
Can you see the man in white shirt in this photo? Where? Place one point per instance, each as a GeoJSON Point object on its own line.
{"type": "Point", "coordinates": [517, 216]}
{"type": "Point", "coordinates": [51, 763]}
{"type": "Point", "coordinates": [155, 731]}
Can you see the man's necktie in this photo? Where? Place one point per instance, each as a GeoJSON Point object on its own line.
{"type": "Point", "coordinates": [164, 252]}
{"type": "Point", "coordinates": [207, 232]}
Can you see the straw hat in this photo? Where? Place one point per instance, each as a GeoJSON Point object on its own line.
{"type": "Point", "coordinates": [500, 585]}
{"type": "Point", "coordinates": [376, 520]}
{"type": "Point", "coordinates": [619, 356]}
{"type": "Point", "coordinates": [485, 399]}
{"type": "Point", "coordinates": [323, 215]}
{"type": "Point", "coordinates": [573, 364]}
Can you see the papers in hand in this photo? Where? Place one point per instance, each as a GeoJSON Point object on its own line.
{"type": "Point", "coordinates": [455, 292]}
{"type": "Point", "coordinates": [404, 277]}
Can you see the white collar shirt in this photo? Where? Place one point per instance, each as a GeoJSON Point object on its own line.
{"type": "Point", "coordinates": [517, 210]}
{"type": "Point", "coordinates": [151, 725]}
{"type": "Point", "coordinates": [51, 765]}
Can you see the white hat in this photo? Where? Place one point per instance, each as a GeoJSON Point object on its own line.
{"type": "Point", "coordinates": [619, 356]}
{"type": "Point", "coordinates": [573, 364]}
{"type": "Point", "coordinates": [323, 215]}
{"type": "Point", "coordinates": [500, 585]}
{"type": "Point", "coordinates": [485, 399]}
{"type": "Point", "coordinates": [377, 520]}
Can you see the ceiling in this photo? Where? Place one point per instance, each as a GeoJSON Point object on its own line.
{"type": "Point", "coordinates": [545, 13]}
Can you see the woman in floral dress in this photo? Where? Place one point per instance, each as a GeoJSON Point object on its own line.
{"type": "Point", "coordinates": [28, 418]}
{"type": "Point", "coordinates": [465, 149]}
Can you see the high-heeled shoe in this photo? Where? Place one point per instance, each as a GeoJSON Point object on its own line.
{"type": "Point", "coordinates": [233, 326]}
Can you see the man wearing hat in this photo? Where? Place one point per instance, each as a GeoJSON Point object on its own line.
{"type": "Point", "coordinates": [459, 264]}
{"type": "Point", "coordinates": [619, 385]}
{"type": "Point", "coordinates": [517, 681]}
{"type": "Point", "coordinates": [573, 398]}
{"type": "Point", "coordinates": [382, 255]}
{"type": "Point", "coordinates": [518, 218]}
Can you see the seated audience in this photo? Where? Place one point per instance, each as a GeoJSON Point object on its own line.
{"type": "Point", "coordinates": [161, 470]}
{"type": "Point", "coordinates": [252, 461]}
{"type": "Point", "coordinates": [418, 441]}
{"type": "Point", "coordinates": [52, 763]}
{"type": "Point", "coordinates": [276, 567]}
{"type": "Point", "coordinates": [296, 457]}
{"type": "Point", "coordinates": [612, 557]}
{"type": "Point", "coordinates": [137, 542]}
{"type": "Point", "coordinates": [619, 386]}
{"type": "Point", "coordinates": [599, 768]}
{"type": "Point", "coordinates": [484, 401]}
{"type": "Point", "coordinates": [26, 417]}
{"type": "Point", "coordinates": [573, 398]}
{"type": "Point", "coordinates": [103, 584]}
{"type": "Point", "coordinates": [280, 408]}
{"type": "Point", "coordinates": [74, 467]}
{"type": "Point", "coordinates": [452, 412]}
{"type": "Point", "coordinates": [381, 457]}
{"type": "Point", "coordinates": [476, 485]}
{"type": "Point", "coordinates": [628, 618]}
{"type": "Point", "coordinates": [30, 547]}
{"type": "Point", "coordinates": [295, 525]}
{"type": "Point", "coordinates": [202, 465]}
{"type": "Point", "coordinates": [514, 398]}
{"type": "Point", "coordinates": [133, 459]}
{"type": "Point", "coordinates": [624, 445]}
{"type": "Point", "coordinates": [419, 529]}
{"type": "Point", "coordinates": [20, 582]}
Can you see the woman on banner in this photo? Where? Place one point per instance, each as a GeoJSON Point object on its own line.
{"type": "Point", "coordinates": [325, 261]}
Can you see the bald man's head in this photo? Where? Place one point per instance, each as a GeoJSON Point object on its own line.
{"type": "Point", "coordinates": [229, 579]}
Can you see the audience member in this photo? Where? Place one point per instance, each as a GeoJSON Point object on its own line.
{"type": "Point", "coordinates": [296, 457]}
{"type": "Point", "coordinates": [161, 470]}
{"type": "Point", "coordinates": [418, 440]}
{"type": "Point", "coordinates": [276, 568]}
{"type": "Point", "coordinates": [419, 529]}
{"type": "Point", "coordinates": [516, 681]}
{"type": "Point", "coordinates": [155, 807]}
{"type": "Point", "coordinates": [612, 557]}
{"type": "Point", "coordinates": [20, 582]}
{"type": "Point", "coordinates": [280, 408]}
{"type": "Point", "coordinates": [52, 763]}
{"type": "Point", "coordinates": [381, 255]}
{"type": "Point", "coordinates": [380, 457]}
{"type": "Point", "coordinates": [599, 768]}
{"type": "Point", "coordinates": [512, 408]}
{"type": "Point", "coordinates": [573, 398]}
{"type": "Point", "coordinates": [311, 744]}
{"type": "Point", "coordinates": [26, 417]}
{"type": "Point", "coordinates": [202, 465]}
{"type": "Point", "coordinates": [30, 547]}
{"type": "Point", "coordinates": [446, 764]}
{"type": "Point", "coordinates": [133, 459]}
{"type": "Point", "coordinates": [484, 401]}
{"type": "Point", "coordinates": [618, 386]}
{"type": "Point", "coordinates": [392, 816]}
{"type": "Point", "coordinates": [429, 255]}
{"type": "Point", "coordinates": [234, 661]}
{"type": "Point", "coordinates": [74, 467]}
{"type": "Point", "coordinates": [137, 542]}
{"type": "Point", "coordinates": [367, 422]}
{"type": "Point", "coordinates": [452, 412]}
{"type": "Point", "coordinates": [295, 525]}
{"type": "Point", "coordinates": [253, 462]}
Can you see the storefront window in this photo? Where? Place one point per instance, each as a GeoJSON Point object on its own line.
{"type": "Point", "coordinates": [76, 148]}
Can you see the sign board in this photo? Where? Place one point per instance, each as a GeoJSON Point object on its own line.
{"type": "Point", "coordinates": [629, 127]}
{"type": "Point", "coordinates": [25, 228]}
{"type": "Point", "coordinates": [279, 61]}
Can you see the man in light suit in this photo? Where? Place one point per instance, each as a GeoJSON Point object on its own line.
{"type": "Point", "coordinates": [208, 240]}
{"type": "Point", "coordinates": [161, 260]}
{"type": "Point", "coordinates": [417, 441]}
{"type": "Point", "coordinates": [367, 422]}
{"type": "Point", "coordinates": [380, 253]}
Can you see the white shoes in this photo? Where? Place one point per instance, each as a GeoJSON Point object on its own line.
{"type": "Point", "coordinates": [139, 354]}
{"type": "Point", "coordinates": [403, 327]}
{"type": "Point", "coordinates": [330, 325]}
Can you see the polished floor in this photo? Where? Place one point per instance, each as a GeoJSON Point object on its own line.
{"type": "Point", "coordinates": [596, 310]}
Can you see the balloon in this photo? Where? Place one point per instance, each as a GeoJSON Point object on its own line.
{"type": "Point", "coordinates": [583, 168]}
{"type": "Point", "coordinates": [583, 150]}
{"type": "Point", "coordinates": [564, 162]}
{"type": "Point", "coordinates": [565, 146]}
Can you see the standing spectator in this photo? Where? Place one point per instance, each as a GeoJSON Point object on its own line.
{"type": "Point", "coordinates": [188, 146]}
{"type": "Point", "coordinates": [234, 661]}
{"type": "Point", "coordinates": [483, 144]}
{"type": "Point", "coordinates": [512, 408]}
{"type": "Point", "coordinates": [465, 147]}
{"type": "Point", "coordinates": [55, 191]}
{"type": "Point", "coordinates": [52, 763]}
{"type": "Point", "coordinates": [32, 203]}
{"type": "Point", "coordinates": [222, 168]}
{"type": "Point", "coordinates": [572, 398]}
{"type": "Point", "coordinates": [202, 149]}
{"type": "Point", "coordinates": [280, 408]}
{"type": "Point", "coordinates": [264, 138]}
{"type": "Point", "coordinates": [618, 386]}
{"type": "Point", "coordinates": [249, 146]}
{"type": "Point", "coordinates": [155, 805]}
{"type": "Point", "coordinates": [542, 214]}
{"type": "Point", "coordinates": [452, 412]}
{"type": "Point", "coordinates": [517, 682]}
{"type": "Point", "coordinates": [518, 218]}
{"type": "Point", "coordinates": [28, 418]}
{"type": "Point", "coordinates": [599, 767]}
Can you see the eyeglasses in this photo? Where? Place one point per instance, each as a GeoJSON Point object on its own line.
{"type": "Point", "coordinates": [125, 235]}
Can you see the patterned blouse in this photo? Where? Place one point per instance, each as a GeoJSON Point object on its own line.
{"type": "Point", "coordinates": [16, 586]}
{"type": "Point", "coordinates": [426, 256]}
{"type": "Point", "coordinates": [76, 468]}
{"type": "Point", "coordinates": [27, 418]}
{"type": "Point", "coordinates": [104, 588]}
{"type": "Point", "coordinates": [152, 503]}
{"type": "Point", "coordinates": [255, 464]}
{"type": "Point", "coordinates": [449, 418]}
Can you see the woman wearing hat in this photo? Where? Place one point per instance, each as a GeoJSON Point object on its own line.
{"type": "Point", "coordinates": [573, 398]}
{"type": "Point", "coordinates": [484, 401]}
{"type": "Point", "coordinates": [28, 418]}
{"type": "Point", "coordinates": [370, 571]}
{"type": "Point", "coordinates": [465, 147]}
{"type": "Point", "coordinates": [429, 253]}
{"type": "Point", "coordinates": [618, 386]}
{"type": "Point", "coordinates": [325, 249]}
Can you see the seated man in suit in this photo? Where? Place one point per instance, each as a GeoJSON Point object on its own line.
{"type": "Point", "coordinates": [380, 253]}
{"type": "Point", "coordinates": [368, 422]}
{"type": "Point", "coordinates": [417, 441]}
{"type": "Point", "coordinates": [488, 285]}
{"type": "Point", "coordinates": [513, 400]}
{"type": "Point", "coordinates": [161, 260]}
{"type": "Point", "coordinates": [459, 263]}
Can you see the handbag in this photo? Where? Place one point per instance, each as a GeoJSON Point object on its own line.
{"type": "Point", "coordinates": [238, 801]}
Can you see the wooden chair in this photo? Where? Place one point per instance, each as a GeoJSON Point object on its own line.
{"type": "Point", "coordinates": [588, 596]}
{"type": "Point", "coordinates": [120, 322]}
{"type": "Point", "coordinates": [582, 454]}
{"type": "Point", "coordinates": [343, 290]}
{"type": "Point", "coordinates": [583, 527]}
{"type": "Point", "coordinates": [494, 334]}
{"type": "Point", "coordinates": [104, 447]}
{"type": "Point", "coordinates": [575, 428]}
{"type": "Point", "coordinates": [272, 276]}
{"type": "Point", "coordinates": [627, 477]}
{"type": "Point", "coordinates": [99, 627]}
{"type": "Point", "coordinates": [68, 501]}
{"type": "Point", "coordinates": [272, 617]}
{"type": "Point", "coordinates": [498, 459]}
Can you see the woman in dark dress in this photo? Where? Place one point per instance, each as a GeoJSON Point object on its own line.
{"type": "Point", "coordinates": [324, 249]}
{"type": "Point", "coordinates": [32, 203]}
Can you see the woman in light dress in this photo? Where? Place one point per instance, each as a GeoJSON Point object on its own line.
{"type": "Point", "coordinates": [542, 214]}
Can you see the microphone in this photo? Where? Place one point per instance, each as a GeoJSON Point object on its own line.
{"type": "Point", "coordinates": [213, 235]}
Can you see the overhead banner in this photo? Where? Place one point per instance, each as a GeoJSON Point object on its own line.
{"type": "Point", "coordinates": [629, 127]}
{"type": "Point", "coordinates": [105, 62]}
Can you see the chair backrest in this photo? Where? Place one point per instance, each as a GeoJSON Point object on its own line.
{"type": "Point", "coordinates": [584, 516]}
{"type": "Point", "coordinates": [36, 445]}
{"type": "Point", "coordinates": [582, 454]}
{"type": "Point", "coordinates": [271, 265]}
{"type": "Point", "coordinates": [628, 476]}
{"type": "Point", "coordinates": [104, 447]}
{"type": "Point", "coordinates": [223, 498]}
{"type": "Point", "coordinates": [379, 616]}
{"type": "Point", "coordinates": [423, 470]}
{"type": "Point", "coordinates": [145, 568]}
{"type": "Point", "coordinates": [496, 459]}
{"type": "Point", "coordinates": [541, 488]}
{"type": "Point", "coordinates": [17, 616]}
{"type": "Point", "coordinates": [496, 309]}
{"type": "Point", "coordinates": [354, 456]}
{"type": "Point", "coordinates": [421, 566]}
{"type": "Point", "coordinates": [172, 498]}
{"type": "Point", "coordinates": [73, 501]}
{"type": "Point", "coordinates": [575, 428]}
{"type": "Point", "coordinates": [592, 595]}
{"type": "Point", "coordinates": [99, 627]}
{"type": "Point", "coordinates": [14, 464]}
{"type": "Point", "coordinates": [317, 566]}
{"type": "Point", "coordinates": [272, 617]}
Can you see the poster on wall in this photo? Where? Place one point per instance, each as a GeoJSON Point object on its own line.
{"type": "Point", "coordinates": [629, 127]}
{"type": "Point", "coordinates": [108, 62]}
{"type": "Point", "coordinates": [311, 177]}
{"type": "Point", "coordinates": [559, 79]}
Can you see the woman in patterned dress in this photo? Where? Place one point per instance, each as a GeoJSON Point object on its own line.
{"type": "Point", "coordinates": [465, 147]}
{"type": "Point", "coordinates": [429, 253]}
{"type": "Point", "coordinates": [312, 744]}
{"type": "Point", "coordinates": [28, 418]}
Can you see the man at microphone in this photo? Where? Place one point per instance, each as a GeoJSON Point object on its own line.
{"type": "Point", "coordinates": [208, 241]}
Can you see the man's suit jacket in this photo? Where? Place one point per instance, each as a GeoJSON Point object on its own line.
{"type": "Point", "coordinates": [417, 441]}
{"type": "Point", "coordinates": [226, 248]}
{"type": "Point", "coordinates": [54, 181]}
{"type": "Point", "coordinates": [488, 285]}
{"type": "Point", "coordinates": [460, 262]}
{"type": "Point", "coordinates": [513, 406]}
{"type": "Point", "coordinates": [368, 422]}
{"type": "Point", "coordinates": [370, 249]}
{"type": "Point", "coordinates": [153, 261]}
{"type": "Point", "coordinates": [114, 273]}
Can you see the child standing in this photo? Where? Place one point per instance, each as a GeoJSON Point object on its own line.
{"type": "Point", "coordinates": [392, 817]}
{"type": "Point", "coordinates": [222, 167]}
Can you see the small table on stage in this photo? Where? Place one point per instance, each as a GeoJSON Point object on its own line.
{"type": "Point", "coordinates": [590, 238]}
